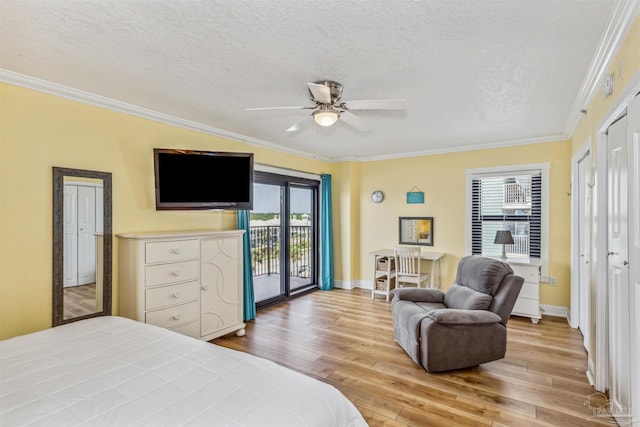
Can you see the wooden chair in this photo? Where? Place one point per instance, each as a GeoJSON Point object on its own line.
{"type": "Point", "coordinates": [408, 267]}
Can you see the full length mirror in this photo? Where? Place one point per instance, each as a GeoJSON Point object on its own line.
{"type": "Point", "coordinates": [81, 244]}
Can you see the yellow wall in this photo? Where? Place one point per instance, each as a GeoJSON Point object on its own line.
{"type": "Point", "coordinates": [39, 131]}
{"type": "Point", "coordinates": [442, 179]}
{"type": "Point", "coordinates": [346, 189]}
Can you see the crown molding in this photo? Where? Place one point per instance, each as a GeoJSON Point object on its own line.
{"type": "Point", "coordinates": [133, 110]}
{"type": "Point", "coordinates": [620, 21]}
{"type": "Point", "coordinates": [129, 109]}
{"type": "Point", "coordinates": [474, 147]}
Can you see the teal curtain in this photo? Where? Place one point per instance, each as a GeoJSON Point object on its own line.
{"type": "Point", "coordinates": [249, 300]}
{"type": "Point", "coordinates": [326, 235]}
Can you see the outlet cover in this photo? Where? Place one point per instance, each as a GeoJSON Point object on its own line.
{"type": "Point", "coordinates": [552, 281]}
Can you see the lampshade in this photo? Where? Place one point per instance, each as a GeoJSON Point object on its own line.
{"type": "Point", "coordinates": [504, 237]}
{"type": "Point", "coordinates": [325, 116]}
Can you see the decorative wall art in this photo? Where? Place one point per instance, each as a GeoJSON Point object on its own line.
{"type": "Point", "coordinates": [415, 196]}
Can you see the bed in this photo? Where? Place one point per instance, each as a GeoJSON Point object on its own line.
{"type": "Point", "coordinates": [113, 371]}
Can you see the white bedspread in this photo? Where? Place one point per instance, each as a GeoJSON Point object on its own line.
{"type": "Point", "coordinates": [112, 371]}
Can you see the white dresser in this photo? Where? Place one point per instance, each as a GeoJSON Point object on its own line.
{"type": "Point", "coordinates": [528, 302]}
{"type": "Point", "coordinates": [190, 282]}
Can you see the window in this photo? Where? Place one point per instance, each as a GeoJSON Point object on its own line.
{"type": "Point", "coordinates": [508, 198]}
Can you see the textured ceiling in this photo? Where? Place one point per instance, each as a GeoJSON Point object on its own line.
{"type": "Point", "coordinates": [474, 73]}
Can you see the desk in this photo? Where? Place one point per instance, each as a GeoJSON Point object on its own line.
{"type": "Point", "coordinates": [434, 257]}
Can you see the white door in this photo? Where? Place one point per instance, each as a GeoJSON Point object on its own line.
{"type": "Point", "coordinates": [584, 244]}
{"type": "Point", "coordinates": [618, 273]}
{"type": "Point", "coordinates": [86, 235]}
{"type": "Point", "coordinates": [633, 114]}
{"type": "Point", "coordinates": [70, 227]}
{"type": "Point", "coordinates": [79, 234]}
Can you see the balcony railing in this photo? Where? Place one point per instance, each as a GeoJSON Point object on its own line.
{"type": "Point", "coordinates": [265, 250]}
{"type": "Point", "coordinates": [520, 246]}
{"type": "Point", "coordinates": [517, 195]}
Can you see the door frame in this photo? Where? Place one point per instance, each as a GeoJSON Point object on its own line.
{"type": "Point", "coordinates": [599, 250]}
{"type": "Point", "coordinates": [577, 294]}
{"type": "Point", "coordinates": [287, 181]}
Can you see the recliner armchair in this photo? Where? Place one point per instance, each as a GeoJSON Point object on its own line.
{"type": "Point", "coordinates": [462, 327]}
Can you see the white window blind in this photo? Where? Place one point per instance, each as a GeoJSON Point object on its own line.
{"type": "Point", "coordinates": [511, 201]}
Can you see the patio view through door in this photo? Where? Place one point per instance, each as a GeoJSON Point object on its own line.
{"type": "Point", "coordinates": [283, 206]}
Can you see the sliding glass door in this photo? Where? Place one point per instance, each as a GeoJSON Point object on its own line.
{"type": "Point", "coordinates": [283, 231]}
{"type": "Point", "coordinates": [301, 237]}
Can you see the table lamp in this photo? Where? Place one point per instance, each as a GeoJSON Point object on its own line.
{"type": "Point", "coordinates": [503, 237]}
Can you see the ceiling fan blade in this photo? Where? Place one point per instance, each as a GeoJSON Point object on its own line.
{"type": "Point", "coordinates": [376, 104]}
{"type": "Point", "coordinates": [321, 93]}
{"type": "Point", "coordinates": [301, 124]}
{"type": "Point", "coordinates": [353, 120]}
{"type": "Point", "coordinates": [277, 108]}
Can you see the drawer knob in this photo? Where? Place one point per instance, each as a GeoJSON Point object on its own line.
{"type": "Point", "coordinates": [205, 287]}
{"type": "Point", "coordinates": [176, 273]}
{"type": "Point", "coordinates": [176, 251]}
{"type": "Point", "coordinates": [177, 316]}
{"type": "Point", "coordinates": [176, 294]}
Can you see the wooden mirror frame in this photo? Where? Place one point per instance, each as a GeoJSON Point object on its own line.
{"type": "Point", "coordinates": [58, 242]}
{"type": "Point", "coordinates": [428, 241]}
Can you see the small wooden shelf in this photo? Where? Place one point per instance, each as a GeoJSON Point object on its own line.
{"type": "Point", "coordinates": [389, 273]}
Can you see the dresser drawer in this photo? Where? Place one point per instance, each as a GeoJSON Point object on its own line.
{"type": "Point", "coordinates": [190, 329]}
{"type": "Point", "coordinates": [165, 296]}
{"type": "Point", "coordinates": [529, 290]}
{"type": "Point", "coordinates": [174, 316]}
{"type": "Point", "coordinates": [170, 251]}
{"type": "Point", "coordinates": [174, 272]}
{"type": "Point", "coordinates": [529, 273]}
{"type": "Point", "coordinates": [526, 307]}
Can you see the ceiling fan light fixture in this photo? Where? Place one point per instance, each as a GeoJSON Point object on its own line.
{"type": "Point", "coordinates": [325, 117]}
{"type": "Point", "coordinates": [329, 107]}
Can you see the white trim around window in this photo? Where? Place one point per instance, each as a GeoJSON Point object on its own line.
{"type": "Point", "coordinates": [513, 169]}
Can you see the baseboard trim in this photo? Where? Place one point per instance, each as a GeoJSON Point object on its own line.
{"type": "Point", "coordinates": [364, 284]}
{"type": "Point", "coordinates": [353, 284]}
{"type": "Point", "coordinates": [590, 372]}
{"type": "Point", "coordinates": [342, 284]}
{"type": "Point", "coordinates": [554, 310]}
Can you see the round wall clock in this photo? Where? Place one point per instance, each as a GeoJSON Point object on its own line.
{"type": "Point", "coordinates": [377, 196]}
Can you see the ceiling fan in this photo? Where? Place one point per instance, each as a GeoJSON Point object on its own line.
{"type": "Point", "coordinates": [329, 106]}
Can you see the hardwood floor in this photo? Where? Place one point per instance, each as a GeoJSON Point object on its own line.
{"type": "Point", "coordinates": [346, 339]}
{"type": "Point", "coordinates": [79, 300]}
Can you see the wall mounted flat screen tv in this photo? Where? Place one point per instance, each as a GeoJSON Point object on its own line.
{"type": "Point", "coordinates": [188, 179]}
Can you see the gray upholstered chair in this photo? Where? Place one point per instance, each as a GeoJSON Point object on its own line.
{"type": "Point", "coordinates": [462, 327]}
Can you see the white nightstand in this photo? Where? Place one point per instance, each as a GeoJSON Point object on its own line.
{"type": "Point", "coordinates": [528, 302]}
